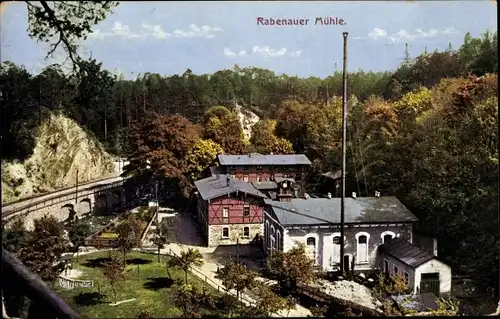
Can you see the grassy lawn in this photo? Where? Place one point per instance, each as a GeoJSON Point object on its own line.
{"type": "Point", "coordinates": [151, 287]}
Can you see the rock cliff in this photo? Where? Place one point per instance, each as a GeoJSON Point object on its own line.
{"type": "Point", "coordinates": [62, 149]}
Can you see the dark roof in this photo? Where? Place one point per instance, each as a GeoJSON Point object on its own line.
{"type": "Point", "coordinates": [281, 179]}
{"type": "Point", "coordinates": [316, 211]}
{"type": "Point", "coordinates": [265, 185]}
{"type": "Point", "coordinates": [406, 252]}
{"type": "Point", "coordinates": [259, 159]}
{"type": "Point", "coordinates": [213, 187]}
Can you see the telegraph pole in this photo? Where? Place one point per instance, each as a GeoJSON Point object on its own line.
{"type": "Point", "coordinates": [344, 130]}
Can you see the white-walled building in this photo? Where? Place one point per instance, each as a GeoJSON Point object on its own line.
{"type": "Point", "coordinates": [370, 223]}
{"type": "Point", "coordinates": [423, 271]}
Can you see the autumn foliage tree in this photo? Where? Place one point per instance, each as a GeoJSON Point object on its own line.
{"type": "Point", "coordinates": [166, 141]}
{"type": "Point", "coordinates": [129, 235]}
{"type": "Point", "coordinates": [265, 141]}
{"type": "Point", "coordinates": [223, 127]}
{"type": "Point", "coordinates": [292, 267]}
{"type": "Point", "coordinates": [236, 276]}
{"type": "Point", "coordinates": [43, 249]}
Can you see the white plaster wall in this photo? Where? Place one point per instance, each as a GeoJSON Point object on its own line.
{"type": "Point", "coordinates": [432, 266]}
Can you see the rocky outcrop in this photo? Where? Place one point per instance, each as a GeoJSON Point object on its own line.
{"type": "Point", "coordinates": [62, 150]}
{"type": "Point", "coordinates": [247, 119]}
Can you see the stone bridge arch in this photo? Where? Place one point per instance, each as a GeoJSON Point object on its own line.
{"type": "Point", "coordinates": [84, 207]}
{"type": "Point", "coordinates": [68, 212]}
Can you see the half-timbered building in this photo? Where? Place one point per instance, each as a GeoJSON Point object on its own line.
{"type": "Point", "coordinates": [229, 210]}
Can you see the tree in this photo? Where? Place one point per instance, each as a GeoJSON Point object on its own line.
{"type": "Point", "coordinates": [160, 238]}
{"type": "Point", "coordinates": [187, 259]}
{"type": "Point", "coordinates": [14, 238]}
{"type": "Point", "coordinates": [129, 235]}
{"type": "Point", "coordinates": [236, 276]}
{"type": "Point", "coordinates": [265, 141]}
{"type": "Point", "coordinates": [223, 127]}
{"type": "Point", "coordinates": [48, 21]}
{"type": "Point", "coordinates": [44, 248]}
{"type": "Point", "coordinates": [190, 300]}
{"type": "Point", "coordinates": [201, 156]}
{"type": "Point", "coordinates": [269, 302]}
{"type": "Point", "coordinates": [292, 267]}
{"type": "Point", "coordinates": [77, 235]}
{"type": "Point", "coordinates": [166, 141]}
{"type": "Point", "coordinates": [113, 272]}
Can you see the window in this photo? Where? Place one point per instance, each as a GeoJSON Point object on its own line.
{"type": "Point", "coordinates": [245, 178]}
{"type": "Point", "coordinates": [259, 177]}
{"type": "Point", "coordinates": [259, 167]}
{"type": "Point", "coordinates": [386, 236]}
{"type": "Point", "coordinates": [336, 250]}
{"type": "Point", "coordinates": [362, 247]}
{"type": "Point", "coordinates": [246, 232]}
{"type": "Point", "coordinates": [225, 215]}
{"type": "Point", "coordinates": [272, 230]}
{"type": "Point", "coordinates": [395, 269]}
{"type": "Point", "coordinates": [407, 278]}
{"type": "Point", "coordinates": [246, 210]}
{"type": "Point", "coordinates": [278, 240]}
{"type": "Point", "coordinates": [311, 247]}
{"type": "Point", "coordinates": [225, 232]}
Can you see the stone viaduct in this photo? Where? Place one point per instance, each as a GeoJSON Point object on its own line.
{"type": "Point", "coordinates": [98, 196]}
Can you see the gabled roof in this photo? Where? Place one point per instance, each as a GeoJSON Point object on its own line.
{"type": "Point", "coordinates": [216, 186]}
{"type": "Point", "coordinates": [259, 159]}
{"type": "Point", "coordinates": [317, 211]}
{"type": "Point", "coordinates": [406, 252]}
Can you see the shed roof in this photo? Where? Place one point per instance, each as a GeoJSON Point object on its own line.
{"type": "Point", "coordinates": [259, 159]}
{"type": "Point", "coordinates": [216, 186]}
{"type": "Point", "coordinates": [316, 211]}
{"type": "Point", "coordinates": [406, 252]}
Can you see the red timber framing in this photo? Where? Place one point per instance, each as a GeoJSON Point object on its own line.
{"type": "Point", "coordinates": [235, 208]}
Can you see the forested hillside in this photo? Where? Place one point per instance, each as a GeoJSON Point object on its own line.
{"type": "Point", "coordinates": [426, 132]}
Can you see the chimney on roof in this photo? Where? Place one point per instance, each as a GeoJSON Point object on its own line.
{"type": "Point", "coordinates": [354, 195]}
{"type": "Point", "coordinates": [217, 175]}
{"type": "Point", "coordinates": [377, 194]}
{"type": "Point", "coordinates": [329, 195]}
{"type": "Point", "coordinates": [249, 154]}
{"type": "Point", "coordinates": [306, 195]}
{"type": "Point", "coordinates": [228, 180]}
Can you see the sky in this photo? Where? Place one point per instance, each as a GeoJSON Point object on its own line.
{"type": "Point", "coordinates": [170, 37]}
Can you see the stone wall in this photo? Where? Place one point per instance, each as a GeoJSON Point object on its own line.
{"type": "Point", "coordinates": [235, 231]}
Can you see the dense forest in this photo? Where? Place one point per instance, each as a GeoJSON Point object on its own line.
{"type": "Point", "coordinates": [426, 132]}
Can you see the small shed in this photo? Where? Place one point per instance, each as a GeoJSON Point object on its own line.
{"type": "Point", "coordinates": [423, 271]}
